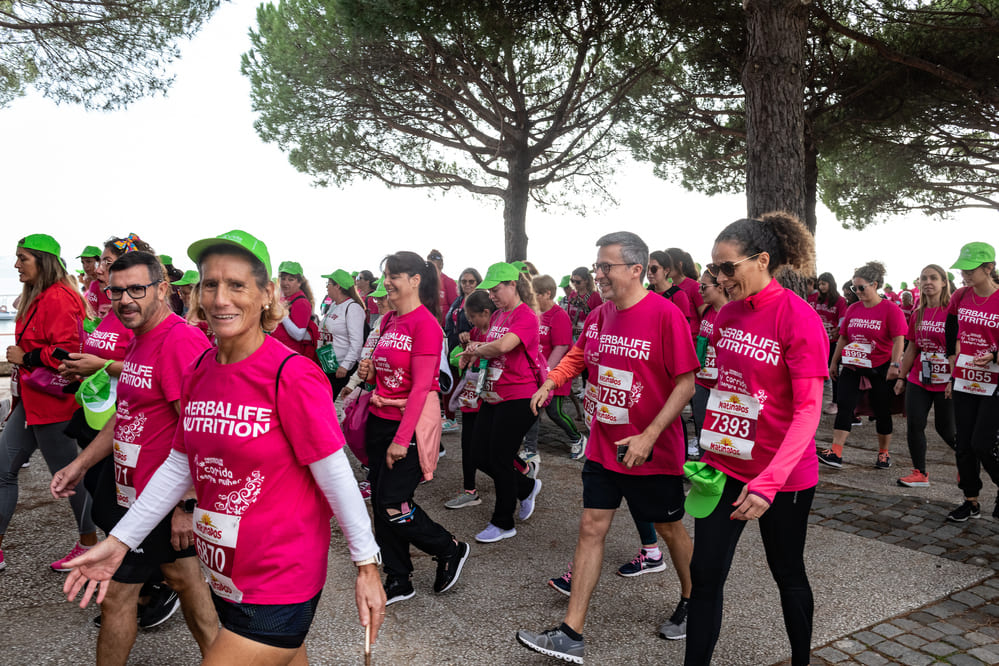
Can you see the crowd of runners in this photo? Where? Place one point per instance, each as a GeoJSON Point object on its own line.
{"type": "Point", "coordinates": [190, 417]}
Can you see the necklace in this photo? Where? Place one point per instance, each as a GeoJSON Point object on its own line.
{"type": "Point", "coordinates": [974, 297]}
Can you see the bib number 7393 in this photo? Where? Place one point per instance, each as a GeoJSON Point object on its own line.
{"type": "Point", "coordinates": [730, 424]}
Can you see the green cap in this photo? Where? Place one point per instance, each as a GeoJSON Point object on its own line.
{"type": "Point", "coordinates": [521, 266]}
{"type": "Point", "coordinates": [379, 291]}
{"type": "Point", "coordinates": [79, 271]}
{"type": "Point", "coordinates": [97, 397]}
{"type": "Point", "coordinates": [950, 276]}
{"type": "Point", "coordinates": [706, 485]}
{"type": "Point", "coordinates": [354, 274]}
{"type": "Point", "coordinates": [190, 277]}
{"type": "Point", "coordinates": [974, 255]}
{"type": "Point", "coordinates": [235, 237]}
{"type": "Point", "coordinates": [89, 251]}
{"type": "Point", "coordinates": [905, 285]}
{"type": "Point", "coordinates": [166, 260]}
{"type": "Point", "coordinates": [566, 281]}
{"type": "Point", "coordinates": [44, 243]}
{"type": "Point", "coordinates": [501, 272]}
{"type": "Point", "coordinates": [341, 277]}
{"type": "Point", "coordinates": [291, 268]}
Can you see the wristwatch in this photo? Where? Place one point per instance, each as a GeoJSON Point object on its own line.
{"type": "Point", "coordinates": [376, 559]}
{"type": "Point", "coordinates": [187, 505]}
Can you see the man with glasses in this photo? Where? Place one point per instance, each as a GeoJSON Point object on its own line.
{"type": "Point", "coordinates": [140, 436]}
{"type": "Point", "coordinates": [641, 362]}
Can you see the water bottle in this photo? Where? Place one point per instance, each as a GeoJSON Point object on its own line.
{"type": "Point", "coordinates": [480, 383]}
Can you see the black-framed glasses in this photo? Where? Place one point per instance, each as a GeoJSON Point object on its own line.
{"type": "Point", "coordinates": [134, 291]}
{"type": "Point", "coordinates": [702, 286]}
{"type": "Point", "coordinates": [728, 267]}
{"type": "Point", "coordinates": [605, 266]}
{"type": "Point", "coordinates": [858, 288]}
{"type": "Point", "coordinates": [576, 280]}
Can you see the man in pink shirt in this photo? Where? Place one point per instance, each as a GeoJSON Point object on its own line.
{"type": "Point", "coordinates": [140, 437]}
{"type": "Point", "coordinates": [448, 287]}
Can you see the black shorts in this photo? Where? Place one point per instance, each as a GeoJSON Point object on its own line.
{"type": "Point", "coordinates": [654, 498]}
{"type": "Point", "coordinates": [278, 625]}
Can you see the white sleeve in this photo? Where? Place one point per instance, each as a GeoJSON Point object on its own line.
{"type": "Point", "coordinates": [296, 333]}
{"type": "Point", "coordinates": [158, 498]}
{"type": "Point", "coordinates": [335, 478]}
{"type": "Point", "coordinates": [355, 335]}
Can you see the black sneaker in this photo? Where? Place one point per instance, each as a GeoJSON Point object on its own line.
{"type": "Point", "coordinates": [827, 457]}
{"type": "Point", "coordinates": [967, 510]}
{"type": "Point", "coordinates": [449, 568]}
{"type": "Point", "coordinates": [398, 589]}
{"type": "Point", "coordinates": [163, 603]}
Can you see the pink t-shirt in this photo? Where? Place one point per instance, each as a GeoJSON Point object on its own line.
{"type": "Point", "coordinates": [300, 314]}
{"type": "Point", "coordinates": [762, 345]}
{"type": "Point", "coordinates": [448, 292]}
{"type": "Point", "coordinates": [831, 315]}
{"type": "Point", "coordinates": [262, 523]}
{"type": "Point", "coordinates": [512, 376]}
{"type": "Point", "coordinates": [977, 321]}
{"type": "Point", "coordinates": [555, 330]}
{"type": "Point", "coordinates": [579, 309]}
{"type": "Point", "coordinates": [633, 357]}
{"type": "Point", "coordinates": [150, 382]}
{"type": "Point", "coordinates": [691, 287]}
{"type": "Point", "coordinates": [97, 299]}
{"type": "Point", "coordinates": [870, 332]}
{"type": "Point", "coordinates": [415, 333]}
{"type": "Point", "coordinates": [680, 299]}
{"type": "Point", "coordinates": [109, 340]}
{"type": "Point", "coordinates": [707, 376]}
{"type": "Point", "coordinates": [931, 348]}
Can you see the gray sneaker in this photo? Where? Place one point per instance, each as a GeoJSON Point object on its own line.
{"type": "Point", "coordinates": [464, 499]}
{"type": "Point", "coordinates": [675, 627]}
{"type": "Point", "coordinates": [578, 448]}
{"type": "Point", "coordinates": [554, 643]}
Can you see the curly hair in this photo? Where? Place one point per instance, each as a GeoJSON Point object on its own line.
{"type": "Point", "coordinates": [781, 235]}
{"type": "Point", "coordinates": [872, 271]}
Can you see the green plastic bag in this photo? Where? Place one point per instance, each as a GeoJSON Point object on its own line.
{"type": "Point", "coordinates": [97, 394]}
{"type": "Point", "coordinates": [327, 359]}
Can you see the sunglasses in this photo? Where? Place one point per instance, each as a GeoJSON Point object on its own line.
{"type": "Point", "coordinates": [703, 286]}
{"type": "Point", "coordinates": [727, 267]}
{"type": "Point", "coordinates": [576, 281]}
{"type": "Point", "coordinates": [653, 270]}
{"type": "Point", "coordinates": [858, 288]}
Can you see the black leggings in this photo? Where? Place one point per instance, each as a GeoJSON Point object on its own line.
{"type": "Point", "coordinates": [917, 407]}
{"type": "Point", "coordinates": [499, 430]}
{"type": "Point", "coordinates": [783, 528]}
{"type": "Point", "coordinates": [468, 450]}
{"type": "Point", "coordinates": [849, 393]}
{"type": "Point", "coordinates": [977, 425]}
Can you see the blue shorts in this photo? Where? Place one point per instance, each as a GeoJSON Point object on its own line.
{"type": "Point", "coordinates": [278, 625]}
{"type": "Point", "coordinates": [653, 498]}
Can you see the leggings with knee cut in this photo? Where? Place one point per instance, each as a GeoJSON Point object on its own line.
{"type": "Point", "coordinates": [499, 430]}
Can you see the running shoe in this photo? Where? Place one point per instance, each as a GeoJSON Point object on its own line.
{"type": "Point", "coordinates": [532, 468]}
{"type": "Point", "coordinates": [26, 463]}
{"type": "Point", "coordinates": [464, 499]}
{"type": "Point", "coordinates": [492, 534]}
{"type": "Point", "coordinates": [163, 603]}
{"type": "Point", "coordinates": [450, 425]}
{"type": "Point", "coordinates": [915, 480]}
{"type": "Point", "coordinates": [675, 627]}
{"type": "Point", "coordinates": [883, 461]}
{"type": "Point", "coordinates": [365, 488]}
{"type": "Point", "coordinates": [827, 457]}
{"type": "Point", "coordinates": [693, 449]}
{"type": "Point", "coordinates": [857, 421]}
{"type": "Point", "coordinates": [3, 562]}
{"type": "Point", "coordinates": [449, 568]}
{"type": "Point", "coordinates": [967, 510]}
{"type": "Point", "coordinates": [441, 451]}
{"type": "Point", "coordinates": [563, 583]}
{"type": "Point", "coordinates": [642, 564]}
{"type": "Point", "coordinates": [527, 504]}
{"type": "Point", "coordinates": [398, 589]}
{"type": "Point", "coordinates": [578, 448]}
{"type": "Point", "coordinates": [554, 643]}
{"type": "Point", "coordinates": [832, 409]}
{"type": "Point", "coordinates": [60, 565]}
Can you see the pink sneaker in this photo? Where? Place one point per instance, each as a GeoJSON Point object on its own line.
{"type": "Point", "coordinates": [365, 488]}
{"type": "Point", "coordinates": [78, 549]}
{"type": "Point", "coordinates": [3, 563]}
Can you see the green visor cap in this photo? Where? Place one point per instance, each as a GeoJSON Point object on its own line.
{"type": "Point", "coordinates": [974, 255]}
{"type": "Point", "coordinates": [44, 243]}
{"type": "Point", "coordinates": [235, 237]}
{"type": "Point", "coordinates": [190, 277]}
{"type": "Point", "coordinates": [166, 260]}
{"type": "Point", "coordinates": [341, 277]}
{"type": "Point", "coordinates": [566, 281]}
{"type": "Point", "coordinates": [96, 396]}
{"type": "Point", "coordinates": [501, 272]}
{"type": "Point", "coordinates": [706, 485]}
{"type": "Point", "coordinates": [379, 291]}
{"type": "Point", "coordinates": [89, 251]}
{"type": "Point", "coordinates": [521, 266]}
{"type": "Point", "coordinates": [291, 268]}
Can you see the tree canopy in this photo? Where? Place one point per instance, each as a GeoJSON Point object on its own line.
{"type": "Point", "coordinates": [102, 54]}
{"type": "Point", "coordinates": [512, 99]}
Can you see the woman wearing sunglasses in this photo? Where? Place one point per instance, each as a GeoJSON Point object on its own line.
{"type": "Point", "coordinates": [870, 345]}
{"type": "Point", "coordinates": [831, 308]}
{"type": "Point", "coordinates": [583, 300]}
{"type": "Point", "coordinates": [707, 376]}
{"type": "Point", "coordinates": [684, 275]}
{"type": "Point", "coordinates": [771, 351]}
{"type": "Point", "coordinates": [660, 269]}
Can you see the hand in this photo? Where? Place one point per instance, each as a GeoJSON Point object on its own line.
{"type": "Point", "coordinates": [540, 396]}
{"type": "Point", "coordinates": [464, 338]}
{"type": "Point", "coordinates": [181, 529]}
{"type": "Point", "coordinates": [93, 568]}
{"type": "Point", "coordinates": [365, 370]}
{"type": "Point", "coordinates": [15, 355]}
{"type": "Point", "coordinates": [748, 506]}
{"type": "Point", "coordinates": [345, 391]}
{"type": "Point", "coordinates": [893, 373]}
{"type": "Point", "coordinates": [985, 358]}
{"type": "Point", "coordinates": [899, 386]}
{"type": "Point", "coordinates": [65, 481]}
{"type": "Point", "coordinates": [639, 449]}
{"type": "Point", "coordinates": [832, 370]}
{"type": "Point", "coordinates": [341, 372]}
{"type": "Point", "coordinates": [395, 453]}
{"type": "Point", "coordinates": [81, 365]}
{"type": "Point", "coordinates": [948, 390]}
{"type": "Point", "coordinates": [370, 597]}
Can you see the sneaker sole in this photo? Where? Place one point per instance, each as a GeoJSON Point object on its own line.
{"type": "Point", "coordinates": [400, 597]}
{"type": "Point", "coordinates": [176, 605]}
{"type": "Point", "coordinates": [505, 535]}
{"type": "Point", "coordinates": [551, 653]}
{"type": "Point", "coordinates": [659, 567]}
{"type": "Point", "coordinates": [558, 589]}
{"type": "Point", "coordinates": [457, 573]}
{"type": "Point", "coordinates": [475, 502]}
{"type": "Point", "coordinates": [672, 638]}
{"type": "Point", "coordinates": [880, 466]}
{"type": "Point", "coordinates": [831, 464]}
{"type": "Point", "coordinates": [913, 484]}
{"type": "Point", "coordinates": [962, 520]}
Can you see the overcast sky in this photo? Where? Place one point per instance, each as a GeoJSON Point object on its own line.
{"type": "Point", "coordinates": [190, 165]}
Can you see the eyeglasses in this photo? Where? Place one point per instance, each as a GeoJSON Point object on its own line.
{"type": "Point", "coordinates": [703, 286]}
{"type": "Point", "coordinates": [135, 291]}
{"type": "Point", "coordinates": [473, 281]}
{"type": "Point", "coordinates": [653, 270]}
{"type": "Point", "coordinates": [576, 280]}
{"type": "Point", "coordinates": [106, 262]}
{"type": "Point", "coordinates": [604, 267]}
{"type": "Point", "coordinates": [858, 288]}
{"type": "Point", "coordinates": [727, 267]}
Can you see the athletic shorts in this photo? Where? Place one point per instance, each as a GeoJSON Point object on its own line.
{"type": "Point", "coordinates": [278, 625]}
{"type": "Point", "coordinates": [654, 498]}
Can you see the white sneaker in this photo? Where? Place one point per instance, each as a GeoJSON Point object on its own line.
{"type": "Point", "coordinates": [578, 448]}
{"type": "Point", "coordinates": [492, 534]}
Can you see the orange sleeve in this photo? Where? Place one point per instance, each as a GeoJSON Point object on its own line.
{"type": "Point", "coordinates": [571, 365]}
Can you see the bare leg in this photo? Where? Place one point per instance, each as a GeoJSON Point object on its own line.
{"type": "Point", "coordinates": [185, 577]}
{"type": "Point", "coordinates": [118, 624]}
{"type": "Point", "coordinates": [593, 527]}
{"type": "Point", "coordinates": [231, 649]}
{"type": "Point", "coordinates": [681, 548]}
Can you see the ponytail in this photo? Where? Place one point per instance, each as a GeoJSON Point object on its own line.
{"type": "Point", "coordinates": [430, 293]}
{"type": "Point", "coordinates": [526, 291]}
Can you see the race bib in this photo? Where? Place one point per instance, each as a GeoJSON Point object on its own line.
{"type": "Point", "coordinates": [613, 391]}
{"type": "Point", "coordinates": [937, 365]}
{"type": "Point", "coordinates": [589, 403]}
{"type": "Point", "coordinates": [974, 379]}
{"type": "Point", "coordinates": [857, 354]}
{"type": "Point", "coordinates": [126, 456]}
{"type": "Point", "coordinates": [217, 534]}
{"type": "Point", "coordinates": [489, 393]}
{"type": "Point", "coordinates": [730, 424]}
{"type": "Point", "coordinates": [469, 397]}
{"type": "Point", "coordinates": [709, 371]}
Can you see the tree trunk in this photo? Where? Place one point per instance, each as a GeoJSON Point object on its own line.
{"type": "Point", "coordinates": [773, 82]}
{"type": "Point", "coordinates": [811, 177]}
{"type": "Point", "coordinates": [515, 208]}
